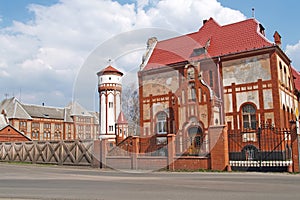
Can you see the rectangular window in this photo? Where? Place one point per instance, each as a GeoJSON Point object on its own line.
{"type": "Point", "coordinates": [57, 126]}
{"type": "Point", "coordinates": [110, 104]}
{"type": "Point", "coordinates": [22, 124]}
{"type": "Point", "coordinates": [211, 80]}
{"type": "Point", "coordinates": [249, 137]}
{"type": "Point", "coordinates": [111, 128]}
{"type": "Point", "coordinates": [47, 126]}
{"type": "Point", "coordinates": [249, 117]}
{"type": "Point", "coordinates": [161, 127]}
{"type": "Point", "coordinates": [35, 125]}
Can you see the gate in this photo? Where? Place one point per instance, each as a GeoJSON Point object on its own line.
{"type": "Point", "coordinates": [265, 149]}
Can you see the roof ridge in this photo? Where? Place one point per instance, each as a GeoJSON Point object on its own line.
{"type": "Point", "coordinates": [42, 106]}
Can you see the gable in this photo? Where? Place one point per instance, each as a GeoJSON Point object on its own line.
{"type": "Point", "coordinates": [10, 134]}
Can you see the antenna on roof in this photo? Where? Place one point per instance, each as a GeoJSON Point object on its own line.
{"type": "Point", "coordinates": [253, 13]}
{"type": "Point", "coordinates": [109, 61]}
{"type": "Point", "coordinates": [20, 95]}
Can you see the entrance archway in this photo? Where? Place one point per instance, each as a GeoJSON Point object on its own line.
{"type": "Point", "coordinates": [195, 135]}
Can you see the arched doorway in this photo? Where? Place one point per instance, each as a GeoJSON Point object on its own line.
{"type": "Point", "coordinates": [195, 135]}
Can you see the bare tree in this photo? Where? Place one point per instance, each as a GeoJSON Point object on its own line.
{"type": "Point", "coordinates": [130, 107]}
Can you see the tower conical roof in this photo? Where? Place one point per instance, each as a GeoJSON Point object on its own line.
{"type": "Point", "coordinates": [109, 70]}
{"type": "Point", "coordinates": [122, 119]}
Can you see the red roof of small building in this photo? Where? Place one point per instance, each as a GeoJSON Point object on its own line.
{"type": "Point", "coordinates": [296, 75]}
{"type": "Point", "coordinates": [218, 40]}
{"type": "Point", "coordinates": [122, 119]}
{"type": "Point", "coordinates": [109, 70]}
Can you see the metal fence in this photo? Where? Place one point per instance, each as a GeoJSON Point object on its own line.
{"type": "Point", "coordinates": [266, 146]}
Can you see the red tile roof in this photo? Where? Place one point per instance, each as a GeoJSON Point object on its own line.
{"type": "Point", "coordinates": [109, 70]}
{"type": "Point", "coordinates": [121, 119]}
{"type": "Point", "coordinates": [296, 75]}
{"type": "Point", "coordinates": [220, 40]}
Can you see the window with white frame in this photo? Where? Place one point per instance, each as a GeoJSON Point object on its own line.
{"type": "Point", "coordinates": [249, 116]}
{"type": "Point", "coordinates": [161, 123]}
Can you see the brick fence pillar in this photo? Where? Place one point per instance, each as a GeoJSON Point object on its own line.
{"type": "Point", "coordinates": [171, 151]}
{"type": "Point", "coordinates": [295, 143]}
{"type": "Point", "coordinates": [96, 154]}
{"type": "Point", "coordinates": [103, 152]}
{"type": "Point", "coordinates": [219, 154]}
{"type": "Point", "coordinates": [135, 152]}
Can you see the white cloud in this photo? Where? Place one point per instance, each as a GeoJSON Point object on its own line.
{"type": "Point", "coordinates": [47, 52]}
{"type": "Point", "coordinates": [293, 51]}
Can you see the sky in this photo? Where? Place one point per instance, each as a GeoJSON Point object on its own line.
{"type": "Point", "coordinates": [51, 50]}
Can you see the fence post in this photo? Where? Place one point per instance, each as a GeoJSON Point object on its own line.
{"type": "Point", "coordinates": [295, 139]}
{"type": "Point", "coordinates": [34, 150]}
{"type": "Point", "coordinates": [103, 152]}
{"type": "Point", "coordinates": [135, 151]}
{"type": "Point", "coordinates": [171, 152]}
{"type": "Point", "coordinates": [61, 153]}
{"type": "Point", "coordinates": [219, 153]}
{"type": "Point", "coordinates": [96, 154]}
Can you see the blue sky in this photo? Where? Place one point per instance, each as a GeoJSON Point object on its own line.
{"type": "Point", "coordinates": [274, 15]}
{"type": "Point", "coordinates": [47, 44]}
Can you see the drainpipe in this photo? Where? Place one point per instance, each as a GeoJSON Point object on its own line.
{"type": "Point", "coordinates": [220, 91]}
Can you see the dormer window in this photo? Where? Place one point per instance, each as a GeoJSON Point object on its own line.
{"type": "Point", "coordinates": [198, 52]}
{"type": "Point", "coordinates": [262, 30]}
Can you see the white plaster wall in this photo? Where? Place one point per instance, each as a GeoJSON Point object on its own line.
{"type": "Point", "coordinates": [113, 79]}
{"type": "Point", "coordinates": [110, 114]}
{"type": "Point", "coordinates": [118, 105]}
{"type": "Point", "coordinates": [268, 99]}
{"type": "Point", "coordinates": [161, 83]}
{"type": "Point", "coordinates": [228, 103]}
{"type": "Point", "coordinates": [246, 70]}
{"type": "Point", "coordinates": [103, 114]}
{"type": "Point", "coordinates": [250, 96]}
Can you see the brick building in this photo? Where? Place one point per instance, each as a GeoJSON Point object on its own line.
{"type": "Point", "coordinates": [229, 75]}
{"type": "Point", "coordinates": [51, 123]}
{"type": "Point", "coordinates": [8, 133]}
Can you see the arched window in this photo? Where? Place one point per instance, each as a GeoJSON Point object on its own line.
{"type": "Point", "coordinates": [285, 76]}
{"type": "Point", "coordinates": [191, 73]}
{"type": "Point", "coordinates": [281, 72]}
{"type": "Point", "coordinates": [161, 123]}
{"type": "Point", "coordinates": [192, 92]}
{"type": "Point", "coordinates": [250, 153]}
{"type": "Point", "coordinates": [249, 116]}
{"type": "Point", "coordinates": [284, 115]}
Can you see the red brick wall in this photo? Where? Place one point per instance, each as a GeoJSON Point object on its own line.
{"type": "Point", "coordinates": [219, 148]}
{"type": "Point", "coordinates": [9, 134]}
{"type": "Point", "coordinates": [191, 163]}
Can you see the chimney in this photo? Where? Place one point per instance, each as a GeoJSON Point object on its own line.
{"type": "Point", "coordinates": [277, 39]}
{"type": "Point", "coordinates": [204, 21]}
{"type": "Point", "coordinates": [3, 112]}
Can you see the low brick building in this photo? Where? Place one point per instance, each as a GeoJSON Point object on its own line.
{"type": "Point", "coordinates": [40, 122]}
{"type": "Point", "coordinates": [8, 133]}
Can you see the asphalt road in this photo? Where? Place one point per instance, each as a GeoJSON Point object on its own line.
{"type": "Point", "coordinates": [55, 182]}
